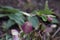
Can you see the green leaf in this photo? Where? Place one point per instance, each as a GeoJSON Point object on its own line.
{"type": "Point", "coordinates": [18, 18]}
{"type": "Point", "coordinates": [8, 9]}
{"type": "Point", "coordinates": [44, 18]}
{"type": "Point", "coordinates": [54, 20]}
{"type": "Point", "coordinates": [46, 11]}
{"type": "Point", "coordinates": [35, 22]}
{"type": "Point", "coordinates": [8, 37]}
{"type": "Point", "coordinates": [40, 12]}
{"type": "Point", "coordinates": [8, 24]}
{"type": "Point", "coordinates": [2, 15]}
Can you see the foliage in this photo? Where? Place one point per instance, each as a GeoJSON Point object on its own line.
{"type": "Point", "coordinates": [55, 20]}
{"type": "Point", "coordinates": [46, 11]}
{"type": "Point", "coordinates": [16, 16]}
{"type": "Point", "coordinates": [19, 17]}
{"type": "Point", "coordinates": [44, 18]}
{"type": "Point", "coordinates": [8, 24]}
{"type": "Point", "coordinates": [35, 22]}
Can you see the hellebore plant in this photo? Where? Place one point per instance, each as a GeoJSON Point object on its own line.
{"type": "Point", "coordinates": [46, 14]}
{"type": "Point", "coordinates": [43, 13]}
{"type": "Point", "coordinates": [16, 16]}
{"type": "Point", "coordinates": [26, 22]}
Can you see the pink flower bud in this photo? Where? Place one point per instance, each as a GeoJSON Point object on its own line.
{"type": "Point", "coordinates": [15, 34]}
{"type": "Point", "coordinates": [50, 19]}
{"type": "Point", "coordinates": [27, 27]}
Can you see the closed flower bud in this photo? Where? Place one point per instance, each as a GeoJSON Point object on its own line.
{"type": "Point", "coordinates": [49, 18]}
{"type": "Point", "coordinates": [27, 27]}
